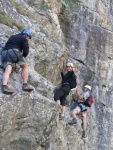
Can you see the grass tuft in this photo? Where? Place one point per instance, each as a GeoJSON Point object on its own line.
{"type": "Point", "coordinates": [23, 10]}
{"type": "Point", "coordinates": [5, 19]}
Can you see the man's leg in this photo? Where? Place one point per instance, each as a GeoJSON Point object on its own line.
{"type": "Point", "coordinates": [84, 115]}
{"type": "Point", "coordinates": [58, 102]}
{"type": "Point", "coordinates": [63, 103]}
{"type": "Point", "coordinates": [63, 110]}
{"type": "Point", "coordinates": [62, 115]}
{"type": "Point", "coordinates": [6, 74]}
{"type": "Point", "coordinates": [24, 75]}
{"type": "Point", "coordinates": [75, 112]}
{"type": "Point", "coordinates": [59, 97]}
{"type": "Point", "coordinates": [5, 79]}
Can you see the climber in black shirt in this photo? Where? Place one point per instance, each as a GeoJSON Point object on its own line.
{"type": "Point", "coordinates": [15, 50]}
{"type": "Point", "coordinates": [19, 42]}
{"type": "Point", "coordinates": [68, 82]}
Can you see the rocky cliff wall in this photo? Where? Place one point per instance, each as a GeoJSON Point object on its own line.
{"type": "Point", "coordinates": [83, 36]}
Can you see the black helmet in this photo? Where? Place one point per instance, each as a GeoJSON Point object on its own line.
{"type": "Point", "coordinates": [27, 32]}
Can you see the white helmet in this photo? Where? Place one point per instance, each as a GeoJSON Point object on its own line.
{"type": "Point", "coordinates": [88, 87]}
{"type": "Point", "coordinates": [69, 65]}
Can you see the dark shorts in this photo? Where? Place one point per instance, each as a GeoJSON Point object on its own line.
{"type": "Point", "coordinates": [9, 57]}
{"type": "Point", "coordinates": [83, 107]}
{"type": "Point", "coordinates": [61, 94]}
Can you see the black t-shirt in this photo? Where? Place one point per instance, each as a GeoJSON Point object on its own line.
{"type": "Point", "coordinates": [18, 41]}
{"type": "Point", "coordinates": [70, 78]}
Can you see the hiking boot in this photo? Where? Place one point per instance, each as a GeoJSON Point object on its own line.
{"type": "Point", "coordinates": [83, 134]}
{"type": "Point", "coordinates": [74, 121]}
{"type": "Point", "coordinates": [61, 117]}
{"type": "Point", "coordinates": [7, 90]}
{"type": "Point", "coordinates": [27, 87]}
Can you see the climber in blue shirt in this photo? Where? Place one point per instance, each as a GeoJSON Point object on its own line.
{"type": "Point", "coordinates": [81, 108]}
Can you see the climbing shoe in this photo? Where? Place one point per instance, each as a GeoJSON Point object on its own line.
{"type": "Point", "coordinates": [61, 117]}
{"type": "Point", "coordinates": [27, 87]}
{"type": "Point", "coordinates": [72, 122]}
{"type": "Point", "coordinates": [7, 90]}
{"type": "Point", "coordinates": [83, 134]}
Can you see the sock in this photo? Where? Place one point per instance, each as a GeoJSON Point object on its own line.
{"type": "Point", "coordinates": [4, 85]}
{"type": "Point", "coordinates": [25, 84]}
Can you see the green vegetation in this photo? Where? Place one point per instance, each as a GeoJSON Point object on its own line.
{"type": "Point", "coordinates": [34, 34]}
{"type": "Point", "coordinates": [18, 7]}
{"type": "Point", "coordinates": [44, 5]}
{"type": "Point", "coordinates": [31, 3]}
{"type": "Point", "coordinates": [23, 10]}
{"type": "Point", "coordinates": [5, 19]}
{"type": "Point", "coordinates": [39, 5]}
{"type": "Point", "coordinates": [71, 4]}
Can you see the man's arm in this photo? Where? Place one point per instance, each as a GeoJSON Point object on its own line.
{"type": "Point", "coordinates": [78, 94]}
{"type": "Point", "coordinates": [62, 74]}
{"type": "Point", "coordinates": [75, 79]}
{"type": "Point", "coordinates": [25, 47]}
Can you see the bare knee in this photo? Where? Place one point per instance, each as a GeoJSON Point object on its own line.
{"type": "Point", "coordinates": [74, 112]}
{"type": "Point", "coordinates": [24, 66]}
{"type": "Point", "coordinates": [8, 69]}
{"type": "Point", "coordinates": [84, 114]}
{"type": "Point", "coordinates": [58, 102]}
{"type": "Point", "coordinates": [83, 119]}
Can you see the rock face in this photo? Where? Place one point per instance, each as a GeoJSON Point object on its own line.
{"type": "Point", "coordinates": [29, 121]}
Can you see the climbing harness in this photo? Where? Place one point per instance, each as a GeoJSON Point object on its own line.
{"type": "Point", "coordinates": [11, 57]}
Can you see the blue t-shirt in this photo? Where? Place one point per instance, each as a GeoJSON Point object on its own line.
{"type": "Point", "coordinates": [86, 95]}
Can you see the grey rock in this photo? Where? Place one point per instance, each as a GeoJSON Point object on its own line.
{"type": "Point", "coordinates": [29, 121]}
